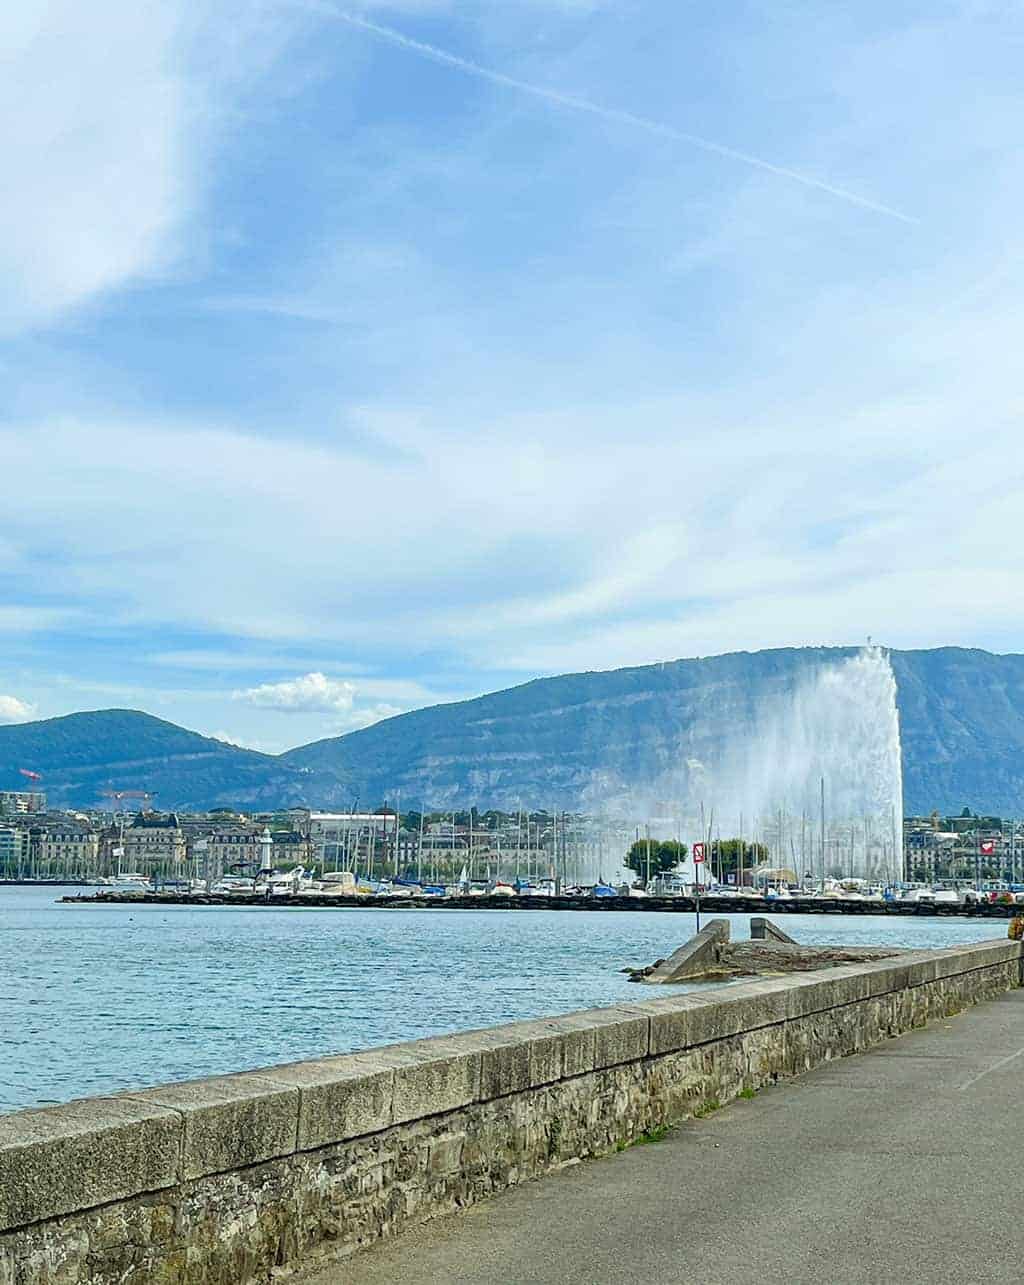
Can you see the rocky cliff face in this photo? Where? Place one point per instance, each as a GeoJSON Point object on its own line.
{"type": "Point", "coordinates": [962, 725]}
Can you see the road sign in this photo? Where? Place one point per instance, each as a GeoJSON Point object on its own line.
{"type": "Point", "coordinates": [698, 854]}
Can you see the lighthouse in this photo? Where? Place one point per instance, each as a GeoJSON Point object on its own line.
{"type": "Point", "coordinates": [266, 850]}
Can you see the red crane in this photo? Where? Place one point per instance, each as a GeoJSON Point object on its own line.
{"type": "Point", "coordinates": [32, 776]}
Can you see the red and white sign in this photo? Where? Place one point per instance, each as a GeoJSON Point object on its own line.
{"type": "Point", "coordinates": [987, 847]}
{"type": "Point", "coordinates": [698, 854]}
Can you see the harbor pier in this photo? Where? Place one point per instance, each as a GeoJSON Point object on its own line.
{"type": "Point", "coordinates": [979, 909]}
{"type": "Point", "coordinates": [241, 1178]}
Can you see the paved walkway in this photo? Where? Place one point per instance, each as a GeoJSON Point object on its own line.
{"type": "Point", "coordinates": [905, 1164]}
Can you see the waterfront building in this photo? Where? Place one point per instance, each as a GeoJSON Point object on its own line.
{"type": "Point", "coordinates": [20, 802]}
{"type": "Point", "coordinates": [154, 842]}
{"type": "Point", "coordinates": [227, 845]}
{"type": "Point", "coordinates": [14, 851]}
{"type": "Point", "coordinates": [64, 845]}
{"type": "Point", "coordinates": [351, 840]}
{"type": "Point", "coordinates": [291, 848]}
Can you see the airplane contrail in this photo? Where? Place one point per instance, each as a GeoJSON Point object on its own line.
{"type": "Point", "coordinates": [615, 114]}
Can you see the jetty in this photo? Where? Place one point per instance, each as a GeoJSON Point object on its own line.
{"type": "Point", "coordinates": [597, 905]}
{"type": "Point", "coordinates": [712, 955]}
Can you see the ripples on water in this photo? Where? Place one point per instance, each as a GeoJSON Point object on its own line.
{"type": "Point", "coordinates": [95, 999]}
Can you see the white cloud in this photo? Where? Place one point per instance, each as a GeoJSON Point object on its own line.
{"type": "Point", "coordinates": [316, 694]}
{"type": "Point", "coordinates": [839, 454]}
{"type": "Point", "coordinates": [92, 114]}
{"type": "Point", "coordinates": [110, 115]}
{"type": "Point", "coordinates": [366, 715]}
{"type": "Point", "coordinates": [25, 619]}
{"type": "Point", "coordinates": [244, 742]}
{"type": "Point", "coordinates": [311, 694]}
{"type": "Point", "coordinates": [13, 710]}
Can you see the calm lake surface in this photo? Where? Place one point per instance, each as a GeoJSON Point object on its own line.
{"type": "Point", "coordinates": [95, 999]}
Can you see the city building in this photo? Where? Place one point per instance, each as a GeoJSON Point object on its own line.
{"type": "Point", "coordinates": [343, 840]}
{"type": "Point", "coordinates": [64, 845]}
{"type": "Point", "coordinates": [291, 848]}
{"type": "Point", "coordinates": [14, 852]}
{"type": "Point", "coordinates": [154, 841]}
{"type": "Point", "coordinates": [19, 802]}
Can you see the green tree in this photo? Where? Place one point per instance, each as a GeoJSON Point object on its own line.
{"type": "Point", "coordinates": [657, 855]}
{"type": "Point", "coordinates": [731, 850]}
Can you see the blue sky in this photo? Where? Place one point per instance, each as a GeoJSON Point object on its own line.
{"type": "Point", "coordinates": [339, 376]}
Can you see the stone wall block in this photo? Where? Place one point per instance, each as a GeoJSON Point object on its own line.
{"type": "Point", "coordinates": [984, 954]}
{"type": "Point", "coordinates": [681, 1022]}
{"type": "Point", "coordinates": [921, 968]}
{"type": "Point", "coordinates": [520, 1056]}
{"type": "Point", "coordinates": [434, 1075]}
{"type": "Point", "coordinates": [339, 1097]}
{"type": "Point", "coordinates": [831, 988]}
{"type": "Point", "coordinates": [751, 1005]}
{"type": "Point", "coordinates": [229, 1121]}
{"type": "Point", "coordinates": [620, 1034]}
{"type": "Point", "coordinates": [576, 1045]}
{"type": "Point", "coordinates": [55, 1160]}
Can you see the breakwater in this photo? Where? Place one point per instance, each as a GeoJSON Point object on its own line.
{"type": "Point", "coordinates": [609, 905]}
{"type": "Point", "coordinates": [229, 1179]}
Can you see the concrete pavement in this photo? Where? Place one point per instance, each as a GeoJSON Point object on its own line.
{"type": "Point", "coordinates": [902, 1164]}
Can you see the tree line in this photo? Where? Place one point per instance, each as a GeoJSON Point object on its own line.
{"type": "Point", "coordinates": [652, 857]}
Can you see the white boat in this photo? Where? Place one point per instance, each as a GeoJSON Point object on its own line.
{"type": "Point", "coordinates": [333, 883]}
{"type": "Point", "coordinates": [918, 895]}
{"type": "Point", "coordinates": [232, 884]}
{"type": "Point", "coordinates": [133, 882]}
{"type": "Point", "coordinates": [287, 883]}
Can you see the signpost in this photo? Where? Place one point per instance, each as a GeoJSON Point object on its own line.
{"type": "Point", "coordinates": [986, 848]}
{"type": "Point", "coordinates": [699, 857]}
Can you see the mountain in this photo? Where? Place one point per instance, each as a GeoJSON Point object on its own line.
{"type": "Point", "coordinates": [569, 741]}
{"type": "Point", "coordinates": [962, 730]}
{"type": "Point", "coordinates": [80, 756]}
{"type": "Point", "coordinates": [574, 740]}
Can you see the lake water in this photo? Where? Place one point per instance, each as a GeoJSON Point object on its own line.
{"type": "Point", "coordinates": [95, 999]}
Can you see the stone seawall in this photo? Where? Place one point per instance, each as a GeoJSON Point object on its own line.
{"type": "Point", "coordinates": [240, 1178]}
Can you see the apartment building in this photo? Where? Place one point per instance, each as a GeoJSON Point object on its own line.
{"type": "Point", "coordinates": [154, 841]}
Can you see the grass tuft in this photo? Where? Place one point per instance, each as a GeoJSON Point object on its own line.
{"type": "Point", "coordinates": [658, 1134]}
{"type": "Point", "coordinates": [706, 1108]}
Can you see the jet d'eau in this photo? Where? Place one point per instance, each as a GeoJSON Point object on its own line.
{"type": "Point", "coordinates": [811, 772]}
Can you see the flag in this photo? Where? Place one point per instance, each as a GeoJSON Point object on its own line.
{"type": "Point", "coordinates": [987, 847]}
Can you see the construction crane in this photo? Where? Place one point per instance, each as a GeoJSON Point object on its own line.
{"type": "Point", "coordinates": [118, 795]}
{"type": "Point", "coordinates": [32, 776]}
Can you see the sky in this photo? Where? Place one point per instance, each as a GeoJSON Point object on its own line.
{"type": "Point", "coordinates": [359, 357]}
